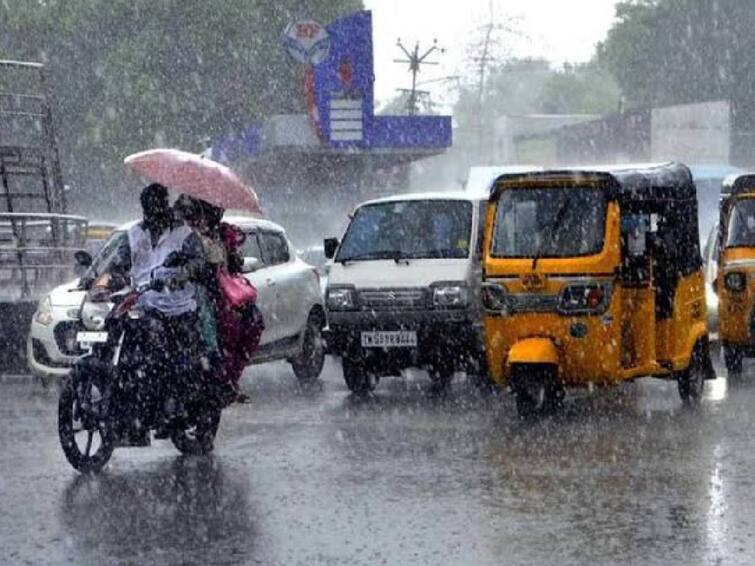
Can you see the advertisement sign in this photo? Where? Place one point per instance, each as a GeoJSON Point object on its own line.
{"type": "Point", "coordinates": [307, 42]}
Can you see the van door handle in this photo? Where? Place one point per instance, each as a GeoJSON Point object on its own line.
{"type": "Point", "coordinates": [270, 282]}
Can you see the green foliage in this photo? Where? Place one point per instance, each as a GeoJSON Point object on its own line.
{"type": "Point", "coordinates": [511, 88]}
{"type": "Point", "coordinates": [675, 51]}
{"type": "Point", "coordinates": [580, 89]}
{"type": "Point", "coordinates": [532, 86]}
{"type": "Point", "coordinates": [132, 74]}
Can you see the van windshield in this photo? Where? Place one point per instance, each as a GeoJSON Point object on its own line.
{"type": "Point", "coordinates": [549, 222]}
{"type": "Point", "coordinates": [410, 229]}
{"type": "Point", "coordinates": [741, 232]}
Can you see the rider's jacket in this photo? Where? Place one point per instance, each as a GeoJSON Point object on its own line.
{"type": "Point", "coordinates": [147, 262]}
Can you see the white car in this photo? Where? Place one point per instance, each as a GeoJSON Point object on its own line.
{"type": "Point", "coordinates": [289, 298]}
{"type": "Point", "coordinates": [315, 256]}
{"type": "Point", "coordinates": [710, 257]}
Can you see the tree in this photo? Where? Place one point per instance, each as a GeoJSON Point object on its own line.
{"type": "Point", "coordinates": [132, 74]}
{"type": "Point", "coordinates": [579, 89]}
{"type": "Point", "coordinates": [665, 52]}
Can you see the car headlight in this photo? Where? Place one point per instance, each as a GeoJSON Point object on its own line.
{"type": "Point", "coordinates": [450, 295]}
{"type": "Point", "coordinates": [494, 298]}
{"type": "Point", "coordinates": [587, 298]}
{"type": "Point", "coordinates": [44, 312]}
{"type": "Point", "coordinates": [341, 299]}
{"type": "Point", "coordinates": [735, 281]}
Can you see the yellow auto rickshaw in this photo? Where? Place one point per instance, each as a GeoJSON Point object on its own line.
{"type": "Point", "coordinates": [735, 282]}
{"type": "Point", "coordinates": [593, 277]}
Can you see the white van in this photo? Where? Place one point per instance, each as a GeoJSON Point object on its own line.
{"type": "Point", "coordinates": [404, 289]}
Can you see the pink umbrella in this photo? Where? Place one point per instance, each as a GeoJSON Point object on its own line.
{"type": "Point", "coordinates": [196, 176]}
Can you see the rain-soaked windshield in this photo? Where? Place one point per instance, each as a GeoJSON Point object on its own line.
{"type": "Point", "coordinates": [549, 222]}
{"type": "Point", "coordinates": [741, 232]}
{"type": "Point", "coordinates": [410, 229]}
{"type": "Point", "coordinates": [102, 261]}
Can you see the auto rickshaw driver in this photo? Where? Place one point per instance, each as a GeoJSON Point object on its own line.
{"type": "Point", "coordinates": [736, 271]}
{"type": "Point", "coordinates": [593, 277]}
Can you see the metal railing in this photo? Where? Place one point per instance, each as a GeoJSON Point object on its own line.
{"type": "Point", "coordinates": [37, 252]}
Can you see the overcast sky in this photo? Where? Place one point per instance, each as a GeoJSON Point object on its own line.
{"type": "Point", "coordinates": [560, 30]}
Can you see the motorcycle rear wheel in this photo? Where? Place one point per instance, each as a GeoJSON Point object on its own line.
{"type": "Point", "coordinates": [74, 420]}
{"type": "Point", "coordinates": [198, 439]}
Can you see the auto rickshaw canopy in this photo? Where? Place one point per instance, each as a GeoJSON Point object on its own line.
{"type": "Point", "coordinates": [665, 190]}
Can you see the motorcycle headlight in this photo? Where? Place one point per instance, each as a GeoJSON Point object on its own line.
{"type": "Point", "coordinates": [587, 298]}
{"type": "Point", "coordinates": [450, 295]}
{"type": "Point", "coordinates": [341, 299]}
{"type": "Point", "coordinates": [494, 298]}
{"type": "Point", "coordinates": [44, 312]}
{"type": "Point", "coordinates": [735, 281]}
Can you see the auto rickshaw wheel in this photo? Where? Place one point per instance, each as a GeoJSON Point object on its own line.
{"type": "Point", "coordinates": [536, 388]}
{"type": "Point", "coordinates": [692, 380]}
{"type": "Point", "coordinates": [733, 357]}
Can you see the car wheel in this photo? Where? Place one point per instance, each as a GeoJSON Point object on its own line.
{"type": "Point", "coordinates": [308, 366]}
{"type": "Point", "coordinates": [356, 376]}
{"type": "Point", "coordinates": [733, 358]}
{"type": "Point", "coordinates": [692, 380]}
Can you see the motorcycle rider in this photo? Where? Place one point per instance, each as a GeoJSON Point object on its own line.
{"type": "Point", "coordinates": [160, 249]}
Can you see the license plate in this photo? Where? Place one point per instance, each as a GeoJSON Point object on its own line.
{"type": "Point", "coordinates": [87, 338]}
{"type": "Point", "coordinates": [389, 339]}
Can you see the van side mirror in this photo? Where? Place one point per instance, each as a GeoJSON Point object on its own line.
{"type": "Point", "coordinates": [83, 258]}
{"type": "Point", "coordinates": [330, 245]}
{"type": "Point", "coordinates": [251, 264]}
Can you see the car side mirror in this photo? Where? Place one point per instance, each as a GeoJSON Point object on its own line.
{"type": "Point", "coordinates": [330, 245]}
{"type": "Point", "coordinates": [251, 264]}
{"type": "Point", "coordinates": [83, 258]}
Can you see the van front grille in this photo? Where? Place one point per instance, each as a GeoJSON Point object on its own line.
{"type": "Point", "coordinates": [393, 299]}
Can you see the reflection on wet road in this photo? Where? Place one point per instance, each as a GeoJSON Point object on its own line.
{"type": "Point", "coordinates": [318, 477]}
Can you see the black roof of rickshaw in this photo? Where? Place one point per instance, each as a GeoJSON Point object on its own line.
{"type": "Point", "coordinates": [737, 184]}
{"type": "Point", "coordinates": [636, 182]}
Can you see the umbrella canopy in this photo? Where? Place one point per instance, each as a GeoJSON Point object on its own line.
{"type": "Point", "coordinates": [196, 176]}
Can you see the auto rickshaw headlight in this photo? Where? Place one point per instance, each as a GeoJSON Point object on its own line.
{"type": "Point", "coordinates": [735, 281]}
{"type": "Point", "coordinates": [495, 298]}
{"type": "Point", "coordinates": [584, 298]}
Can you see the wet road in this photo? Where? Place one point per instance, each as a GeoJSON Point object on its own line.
{"type": "Point", "coordinates": [318, 477]}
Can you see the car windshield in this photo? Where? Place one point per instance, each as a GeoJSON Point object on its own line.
{"type": "Point", "coordinates": [410, 229]}
{"type": "Point", "coordinates": [549, 222]}
{"type": "Point", "coordinates": [104, 258]}
{"type": "Point", "coordinates": [741, 232]}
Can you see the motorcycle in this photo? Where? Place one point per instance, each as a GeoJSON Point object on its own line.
{"type": "Point", "coordinates": [118, 393]}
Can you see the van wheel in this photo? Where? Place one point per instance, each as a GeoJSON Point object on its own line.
{"type": "Point", "coordinates": [692, 380]}
{"type": "Point", "coordinates": [536, 390]}
{"type": "Point", "coordinates": [308, 365]}
{"type": "Point", "coordinates": [441, 377]}
{"type": "Point", "coordinates": [733, 357]}
{"type": "Point", "coordinates": [356, 376]}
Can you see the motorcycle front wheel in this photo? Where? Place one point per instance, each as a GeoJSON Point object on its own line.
{"type": "Point", "coordinates": [83, 427]}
